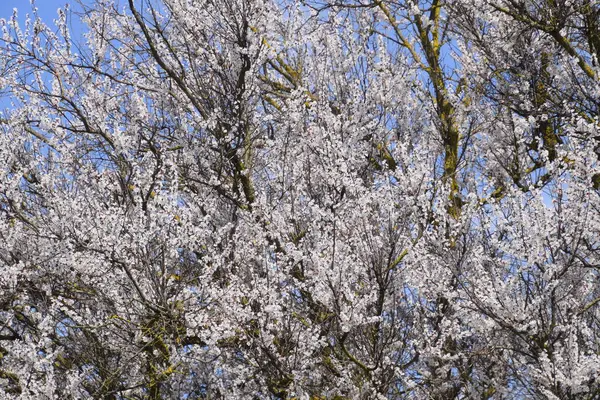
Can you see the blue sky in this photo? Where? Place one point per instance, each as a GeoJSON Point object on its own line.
{"type": "Point", "coordinates": [46, 10]}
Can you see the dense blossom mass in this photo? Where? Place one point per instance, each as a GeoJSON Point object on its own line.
{"type": "Point", "coordinates": [301, 199]}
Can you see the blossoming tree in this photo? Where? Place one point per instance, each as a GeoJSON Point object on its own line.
{"type": "Point", "coordinates": [301, 199]}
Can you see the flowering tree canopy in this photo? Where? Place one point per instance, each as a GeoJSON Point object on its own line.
{"type": "Point", "coordinates": [301, 199]}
